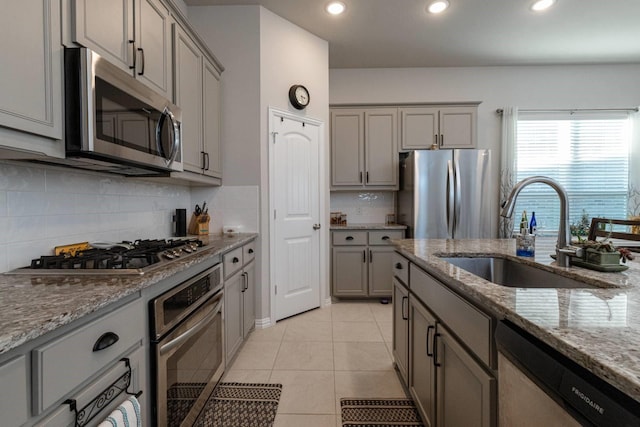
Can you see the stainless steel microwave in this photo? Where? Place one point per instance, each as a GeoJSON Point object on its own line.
{"type": "Point", "coordinates": [114, 123]}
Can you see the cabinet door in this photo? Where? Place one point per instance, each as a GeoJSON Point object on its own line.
{"type": "Point", "coordinates": [347, 147]}
{"type": "Point", "coordinates": [107, 28]}
{"type": "Point", "coordinates": [233, 315]}
{"type": "Point", "coordinates": [14, 385]}
{"type": "Point", "coordinates": [31, 83]}
{"type": "Point", "coordinates": [349, 271]}
{"type": "Point", "coordinates": [188, 96]}
{"type": "Point", "coordinates": [381, 147]}
{"type": "Point", "coordinates": [380, 270]}
{"type": "Point", "coordinates": [401, 329]}
{"type": "Point", "coordinates": [212, 116]}
{"type": "Point", "coordinates": [249, 297]}
{"type": "Point", "coordinates": [466, 393]}
{"type": "Point", "coordinates": [419, 128]}
{"type": "Point", "coordinates": [153, 46]}
{"type": "Point", "coordinates": [458, 127]}
{"type": "Point", "coordinates": [422, 375]}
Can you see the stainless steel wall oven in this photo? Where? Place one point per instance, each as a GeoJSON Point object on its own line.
{"type": "Point", "coordinates": [187, 347]}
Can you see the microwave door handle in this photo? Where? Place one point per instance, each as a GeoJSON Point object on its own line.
{"type": "Point", "coordinates": [176, 136]}
{"type": "Point", "coordinates": [191, 332]}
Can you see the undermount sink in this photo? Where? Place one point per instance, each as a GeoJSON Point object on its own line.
{"type": "Point", "coordinates": [507, 272]}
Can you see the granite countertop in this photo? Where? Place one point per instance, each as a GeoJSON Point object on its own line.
{"type": "Point", "coordinates": [33, 305]}
{"type": "Point", "coordinates": [597, 328]}
{"type": "Point", "coordinates": [372, 226]}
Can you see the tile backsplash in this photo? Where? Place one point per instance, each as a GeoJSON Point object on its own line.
{"type": "Point", "coordinates": [42, 207]}
{"type": "Point", "coordinates": [364, 207]}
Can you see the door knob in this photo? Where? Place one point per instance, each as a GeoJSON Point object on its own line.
{"type": "Point", "coordinates": [316, 226]}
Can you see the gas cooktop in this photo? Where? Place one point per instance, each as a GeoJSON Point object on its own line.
{"type": "Point", "coordinates": [134, 258]}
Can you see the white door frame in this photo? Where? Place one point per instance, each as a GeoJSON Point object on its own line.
{"type": "Point", "coordinates": [323, 189]}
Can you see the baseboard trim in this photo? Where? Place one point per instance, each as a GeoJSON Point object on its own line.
{"type": "Point", "coordinates": [263, 323]}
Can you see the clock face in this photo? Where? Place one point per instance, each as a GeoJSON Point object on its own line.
{"type": "Point", "coordinates": [299, 96]}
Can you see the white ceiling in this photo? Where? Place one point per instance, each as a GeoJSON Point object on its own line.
{"type": "Point", "coordinates": [399, 33]}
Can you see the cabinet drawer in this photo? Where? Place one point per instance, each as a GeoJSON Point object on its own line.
{"type": "Point", "coordinates": [13, 380]}
{"type": "Point", "coordinates": [349, 238]}
{"type": "Point", "coordinates": [401, 268]}
{"type": "Point", "coordinates": [248, 252]}
{"type": "Point", "coordinates": [63, 417]}
{"type": "Point", "coordinates": [232, 262]}
{"type": "Point", "coordinates": [383, 237]}
{"type": "Point", "coordinates": [467, 322]}
{"type": "Point", "coordinates": [68, 361]}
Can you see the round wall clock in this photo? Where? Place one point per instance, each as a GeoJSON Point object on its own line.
{"type": "Point", "coordinates": [299, 96]}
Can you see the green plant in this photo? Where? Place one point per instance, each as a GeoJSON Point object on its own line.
{"type": "Point", "coordinates": [580, 228]}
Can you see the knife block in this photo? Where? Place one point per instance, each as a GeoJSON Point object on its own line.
{"type": "Point", "coordinates": [199, 224]}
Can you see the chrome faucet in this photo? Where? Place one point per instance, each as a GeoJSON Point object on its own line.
{"type": "Point", "coordinates": [563, 249]}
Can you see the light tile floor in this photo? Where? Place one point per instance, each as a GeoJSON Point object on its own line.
{"type": "Point", "coordinates": [343, 350]}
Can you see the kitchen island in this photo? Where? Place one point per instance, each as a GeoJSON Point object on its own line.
{"type": "Point", "coordinates": [598, 328]}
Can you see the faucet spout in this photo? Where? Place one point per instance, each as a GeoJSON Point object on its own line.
{"type": "Point", "coordinates": [564, 232]}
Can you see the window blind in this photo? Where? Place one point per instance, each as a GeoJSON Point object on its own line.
{"type": "Point", "coordinates": [587, 155]}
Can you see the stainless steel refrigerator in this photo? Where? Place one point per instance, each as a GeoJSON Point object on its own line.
{"type": "Point", "coordinates": [445, 194]}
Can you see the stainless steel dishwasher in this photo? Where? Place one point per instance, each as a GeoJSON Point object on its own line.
{"type": "Point", "coordinates": [541, 387]}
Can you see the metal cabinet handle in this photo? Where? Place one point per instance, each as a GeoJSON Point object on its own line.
{"type": "Point", "coordinates": [404, 316]}
{"type": "Point", "coordinates": [141, 50]}
{"type": "Point", "coordinates": [367, 177]}
{"type": "Point", "coordinates": [435, 350]}
{"type": "Point", "coordinates": [316, 226]}
{"type": "Point", "coordinates": [385, 237]}
{"type": "Point", "coordinates": [429, 329]}
{"type": "Point", "coordinates": [106, 340]}
{"type": "Point", "coordinates": [364, 256]}
{"type": "Point", "coordinates": [435, 139]}
{"type": "Point", "coordinates": [235, 260]}
{"type": "Point", "coordinates": [370, 255]}
{"type": "Point", "coordinates": [204, 162]}
{"type": "Point", "coordinates": [206, 156]}
{"type": "Point", "coordinates": [398, 266]}
{"type": "Point", "coordinates": [348, 238]}
{"type": "Point", "coordinates": [360, 177]}
{"type": "Point", "coordinates": [250, 251]}
{"type": "Point", "coordinates": [441, 140]}
{"type": "Point", "coordinates": [133, 53]}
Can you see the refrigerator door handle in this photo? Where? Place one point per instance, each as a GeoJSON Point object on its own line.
{"type": "Point", "coordinates": [457, 198]}
{"type": "Point", "coordinates": [450, 198]}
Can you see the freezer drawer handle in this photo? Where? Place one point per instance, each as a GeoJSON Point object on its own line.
{"type": "Point", "coordinates": [106, 340]}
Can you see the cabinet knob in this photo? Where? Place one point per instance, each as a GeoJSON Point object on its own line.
{"type": "Point", "coordinates": [106, 340]}
{"type": "Point", "coordinates": [316, 226]}
{"type": "Point", "coordinates": [250, 251]}
{"type": "Point", "coordinates": [398, 266]}
{"type": "Point", "coordinates": [235, 260]}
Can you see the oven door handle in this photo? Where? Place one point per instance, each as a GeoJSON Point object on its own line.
{"type": "Point", "coordinates": [180, 339]}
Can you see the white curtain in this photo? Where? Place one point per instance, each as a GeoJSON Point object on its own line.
{"type": "Point", "coordinates": [507, 163]}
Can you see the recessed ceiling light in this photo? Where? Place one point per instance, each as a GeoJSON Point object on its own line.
{"type": "Point", "coordinates": [541, 5]}
{"type": "Point", "coordinates": [438, 6]}
{"type": "Point", "coordinates": [335, 7]}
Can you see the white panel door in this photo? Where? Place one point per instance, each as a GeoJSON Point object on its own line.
{"type": "Point", "coordinates": [296, 202]}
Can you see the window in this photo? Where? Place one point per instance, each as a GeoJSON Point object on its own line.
{"type": "Point", "coordinates": [587, 154]}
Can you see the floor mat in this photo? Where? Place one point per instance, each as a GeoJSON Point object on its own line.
{"type": "Point", "coordinates": [379, 413]}
{"type": "Point", "coordinates": [241, 405]}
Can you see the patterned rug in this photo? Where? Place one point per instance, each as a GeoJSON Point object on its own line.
{"type": "Point", "coordinates": [241, 405]}
{"type": "Point", "coordinates": [379, 413]}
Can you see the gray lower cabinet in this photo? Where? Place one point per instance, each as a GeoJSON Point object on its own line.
{"type": "Point", "coordinates": [401, 328]}
{"type": "Point", "coordinates": [361, 262]}
{"type": "Point", "coordinates": [14, 405]}
{"type": "Point", "coordinates": [31, 83]}
{"type": "Point", "coordinates": [450, 351]}
{"type": "Point", "coordinates": [239, 296]}
{"type": "Point", "coordinates": [422, 380]}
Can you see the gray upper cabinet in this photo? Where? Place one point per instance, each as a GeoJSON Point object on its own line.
{"type": "Point", "coordinates": [197, 93]}
{"type": "Point", "coordinates": [441, 127]}
{"type": "Point", "coordinates": [364, 148]}
{"type": "Point", "coordinates": [31, 83]}
{"type": "Point", "coordinates": [132, 34]}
